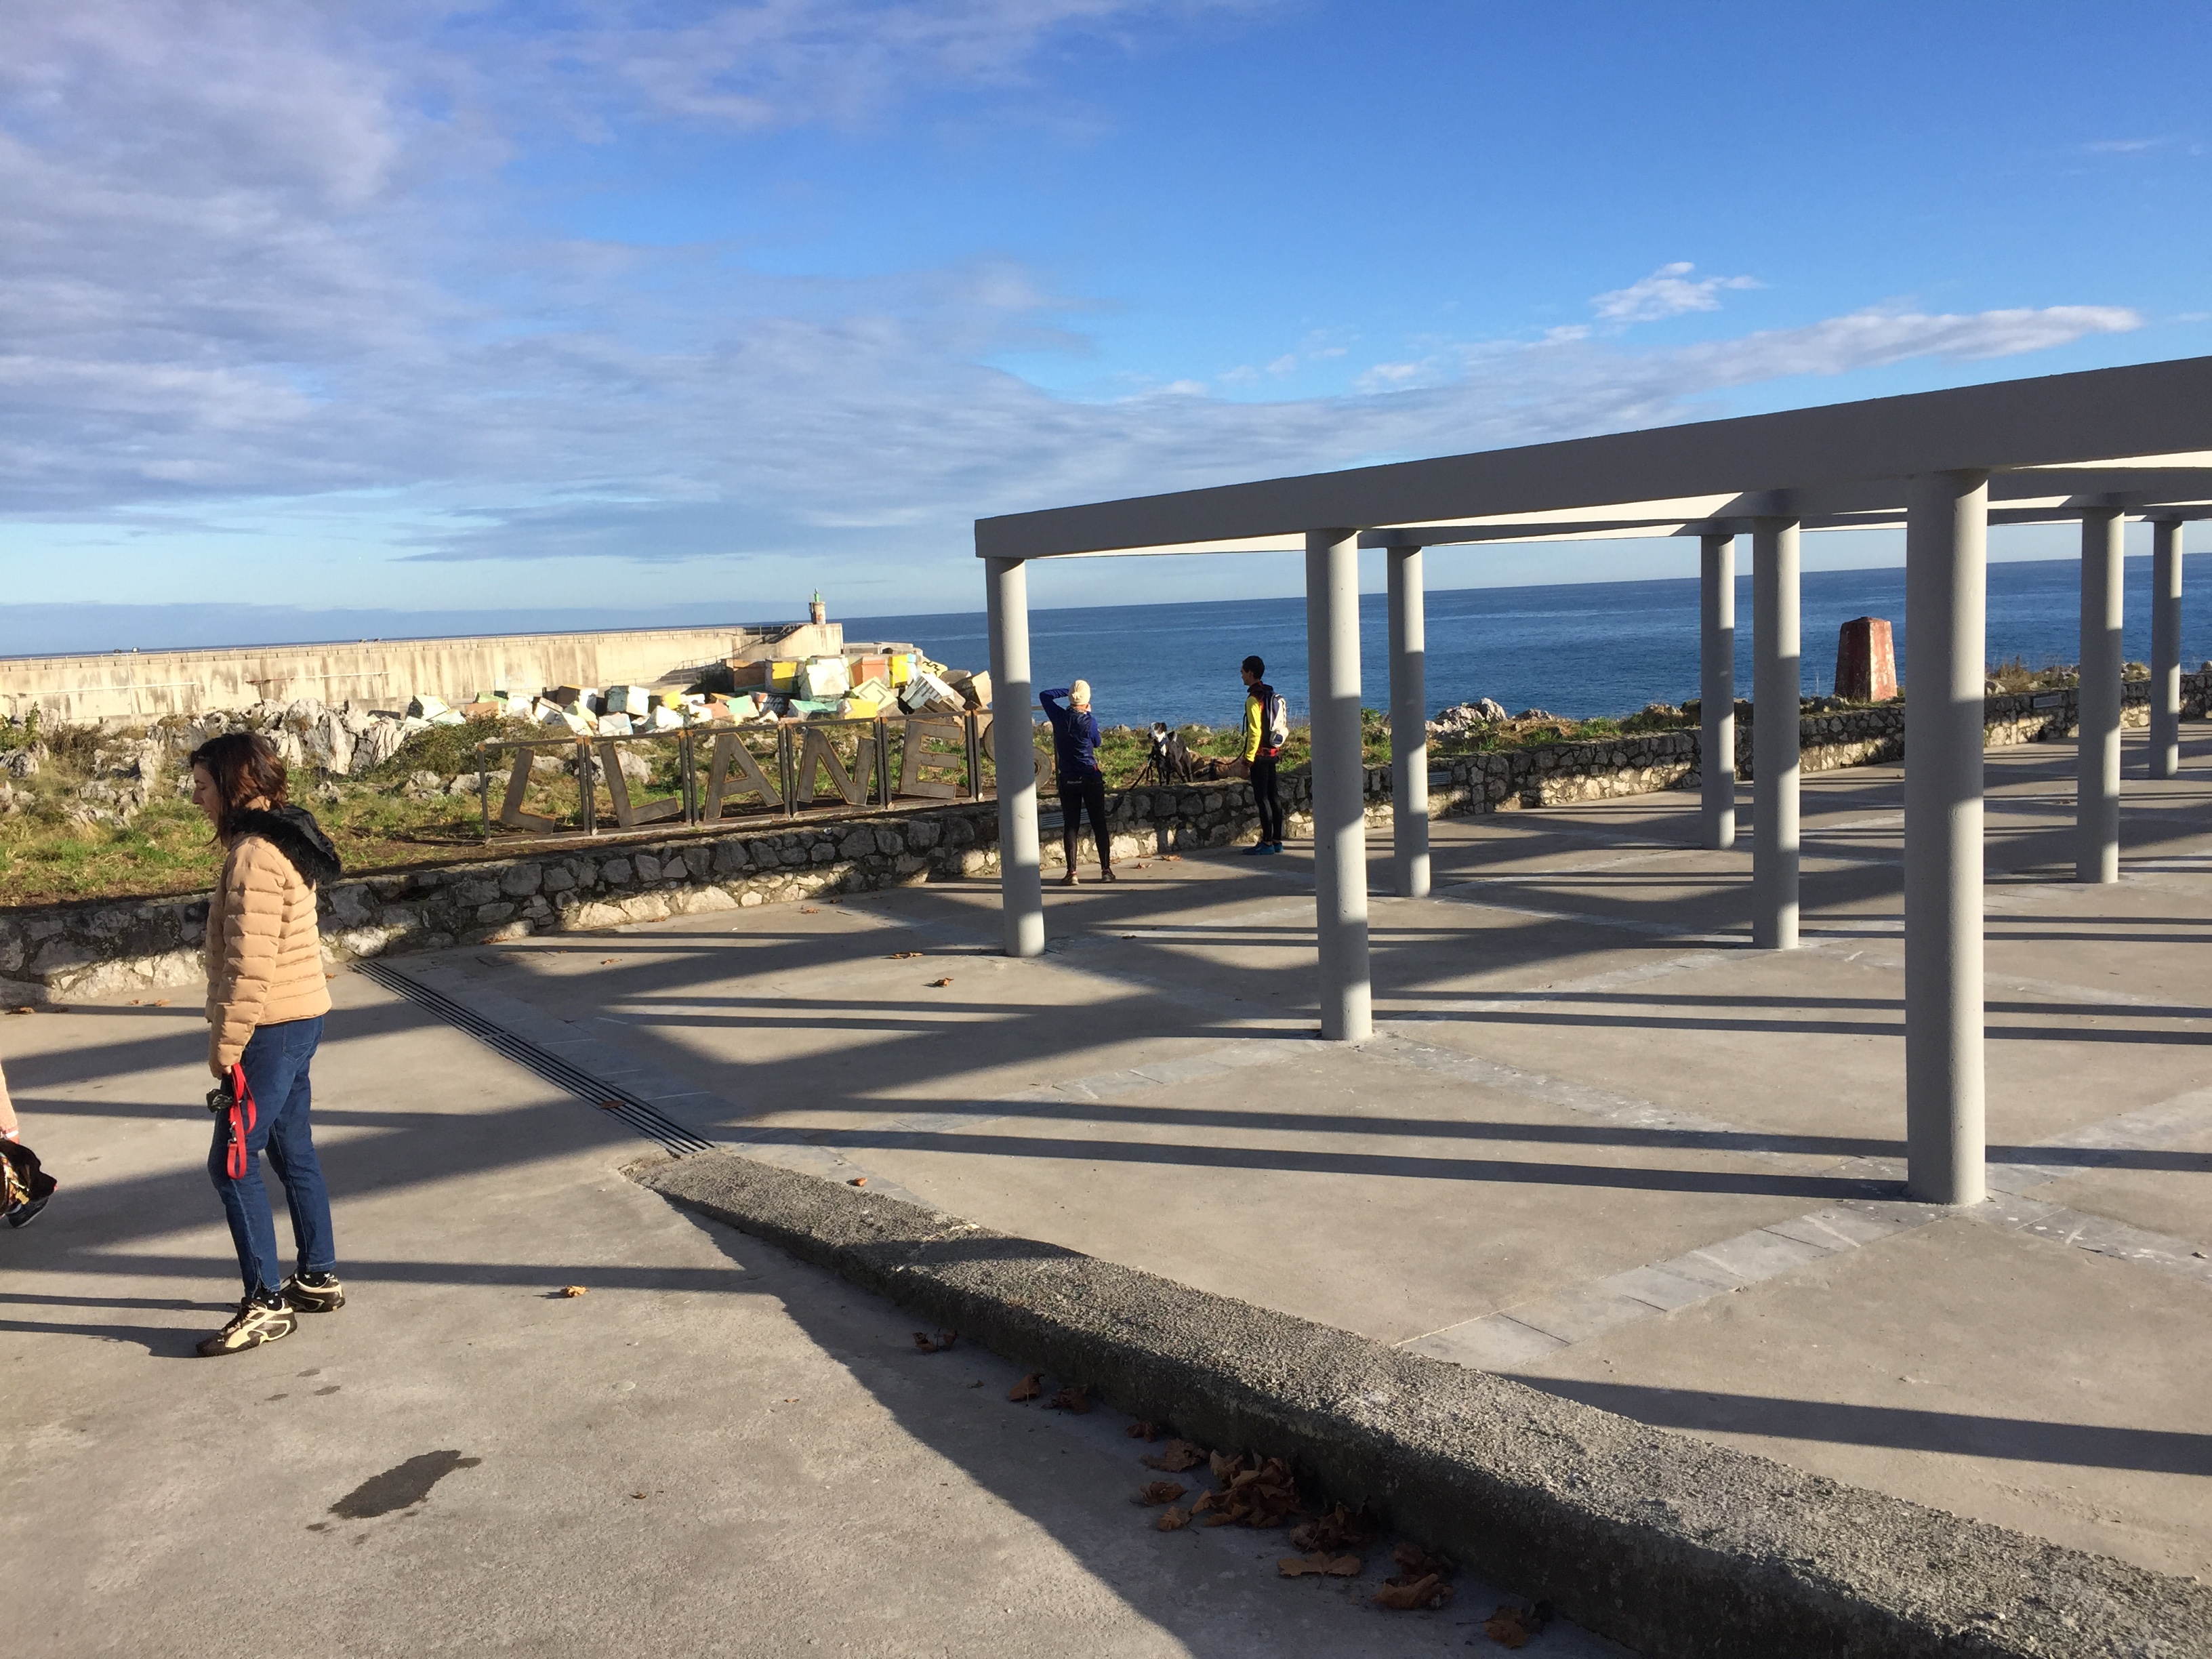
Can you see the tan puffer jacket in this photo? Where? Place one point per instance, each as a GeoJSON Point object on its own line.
{"type": "Point", "coordinates": [265, 953]}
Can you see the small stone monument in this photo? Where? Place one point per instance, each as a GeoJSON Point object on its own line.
{"type": "Point", "coordinates": [1866, 661]}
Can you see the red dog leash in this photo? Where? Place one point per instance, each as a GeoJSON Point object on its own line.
{"type": "Point", "coordinates": [236, 1159]}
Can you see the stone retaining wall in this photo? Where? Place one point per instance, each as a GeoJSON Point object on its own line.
{"type": "Point", "coordinates": [108, 947]}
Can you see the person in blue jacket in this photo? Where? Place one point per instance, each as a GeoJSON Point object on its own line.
{"type": "Point", "coordinates": [1082, 785]}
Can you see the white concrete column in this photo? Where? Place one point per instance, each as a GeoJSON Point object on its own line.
{"type": "Point", "coordinates": [2165, 648]}
{"type": "Point", "coordinates": [1338, 809]}
{"type": "Point", "coordinates": [2097, 802]}
{"type": "Point", "coordinates": [1409, 724]}
{"type": "Point", "coordinates": [1716, 688]}
{"type": "Point", "coordinates": [1775, 682]}
{"type": "Point", "coordinates": [1946, 601]}
{"type": "Point", "coordinates": [1021, 877]}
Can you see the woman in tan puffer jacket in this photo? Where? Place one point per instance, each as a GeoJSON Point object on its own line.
{"type": "Point", "coordinates": [266, 1000]}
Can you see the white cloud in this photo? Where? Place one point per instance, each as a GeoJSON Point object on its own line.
{"type": "Point", "coordinates": [776, 63]}
{"type": "Point", "coordinates": [239, 262]}
{"type": "Point", "coordinates": [2123, 146]}
{"type": "Point", "coordinates": [1874, 339]}
{"type": "Point", "coordinates": [1666, 292]}
{"type": "Point", "coordinates": [1383, 377]}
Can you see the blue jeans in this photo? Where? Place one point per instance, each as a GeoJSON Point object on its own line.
{"type": "Point", "coordinates": [275, 1062]}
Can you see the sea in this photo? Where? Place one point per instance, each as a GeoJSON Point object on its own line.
{"type": "Point", "coordinates": [1578, 650]}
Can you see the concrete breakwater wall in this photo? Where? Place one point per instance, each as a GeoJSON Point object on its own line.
{"type": "Point", "coordinates": [147, 685]}
{"type": "Point", "coordinates": [53, 953]}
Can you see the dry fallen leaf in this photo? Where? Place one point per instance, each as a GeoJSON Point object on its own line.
{"type": "Point", "coordinates": [608, 961]}
{"type": "Point", "coordinates": [1320, 1561]}
{"type": "Point", "coordinates": [1028, 1389]}
{"type": "Point", "coordinates": [161, 1002]}
{"type": "Point", "coordinates": [1146, 1431]}
{"type": "Point", "coordinates": [1265, 1496]}
{"type": "Point", "coordinates": [1173, 1520]}
{"type": "Point", "coordinates": [1414, 1561]}
{"type": "Point", "coordinates": [947, 980]}
{"type": "Point", "coordinates": [25, 1009]}
{"type": "Point", "coordinates": [1428, 1592]}
{"type": "Point", "coordinates": [1420, 1581]}
{"type": "Point", "coordinates": [1511, 1627]}
{"type": "Point", "coordinates": [902, 955]}
{"type": "Point", "coordinates": [807, 910]}
{"type": "Point", "coordinates": [637, 1494]}
{"type": "Point", "coordinates": [1075, 1397]}
{"type": "Point", "coordinates": [944, 1340]}
{"type": "Point", "coordinates": [574, 1291]}
{"type": "Point", "coordinates": [611, 1105]}
{"type": "Point", "coordinates": [1160, 1492]}
{"type": "Point", "coordinates": [1175, 1457]}
{"type": "Point", "coordinates": [858, 1181]}
{"type": "Point", "coordinates": [1335, 1530]}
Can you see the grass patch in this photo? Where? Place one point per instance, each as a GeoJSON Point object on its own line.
{"type": "Point", "coordinates": [376, 825]}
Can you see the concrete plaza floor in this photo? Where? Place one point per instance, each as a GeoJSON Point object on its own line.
{"type": "Point", "coordinates": [716, 1451]}
{"type": "Point", "coordinates": [1598, 1143]}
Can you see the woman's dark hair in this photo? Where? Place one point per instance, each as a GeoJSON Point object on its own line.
{"type": "Point", "coordinates": [246, 769]}
{"type": "Point", "coordinates": [1254, 665]}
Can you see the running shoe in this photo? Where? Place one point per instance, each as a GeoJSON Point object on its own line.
{"type": "Point", "coordinates": [313, 1293]}
{"type": "Point", "coordinates": [257, 1322]}
{"type": "Point", "coordinates": [27, 1211]}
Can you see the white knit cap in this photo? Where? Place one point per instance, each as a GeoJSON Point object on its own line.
{"type": "Point", "coordinates": [1080, 692]}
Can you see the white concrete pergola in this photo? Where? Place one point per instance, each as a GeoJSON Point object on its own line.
{"type": "Point", "coordinates": [2098, 447]}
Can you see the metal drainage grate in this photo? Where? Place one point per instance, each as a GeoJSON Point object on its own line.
{"type": "Point", "coordinates": [639, 1114]}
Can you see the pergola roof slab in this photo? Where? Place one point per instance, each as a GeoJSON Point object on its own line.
{"type": "Point", "coordinates": [2128, 437]}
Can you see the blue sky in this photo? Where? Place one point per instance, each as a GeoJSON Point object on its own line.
{"type": "Point", "coordinates": [601, 305]}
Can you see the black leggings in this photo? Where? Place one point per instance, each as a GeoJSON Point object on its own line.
{"type": "Point", "coordinates": [1265, 798]}
{"type": "Point", "coordinates": [1076, 794]}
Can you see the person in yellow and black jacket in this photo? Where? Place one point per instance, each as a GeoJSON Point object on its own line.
{"type": "Point", "coordinates": [1267, 727]}
{"type": "Point", "coordinates": [266, 1000]}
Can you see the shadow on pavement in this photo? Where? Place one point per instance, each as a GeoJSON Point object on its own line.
{"type": "Point", "coordinates": [2157, 1451]}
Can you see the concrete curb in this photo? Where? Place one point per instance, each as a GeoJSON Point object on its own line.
{"type": "Point", "coordinates": [1669, 1544]}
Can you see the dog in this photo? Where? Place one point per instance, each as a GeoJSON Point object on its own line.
{"type": "Point", "coordinates": [1170, 760]}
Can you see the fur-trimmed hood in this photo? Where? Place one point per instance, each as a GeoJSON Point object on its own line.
{"type": "Point", "coordinates": [293, 831]}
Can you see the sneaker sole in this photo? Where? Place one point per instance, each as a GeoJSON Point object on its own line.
{"type": "Point", "coordinates": [259, 1340]}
